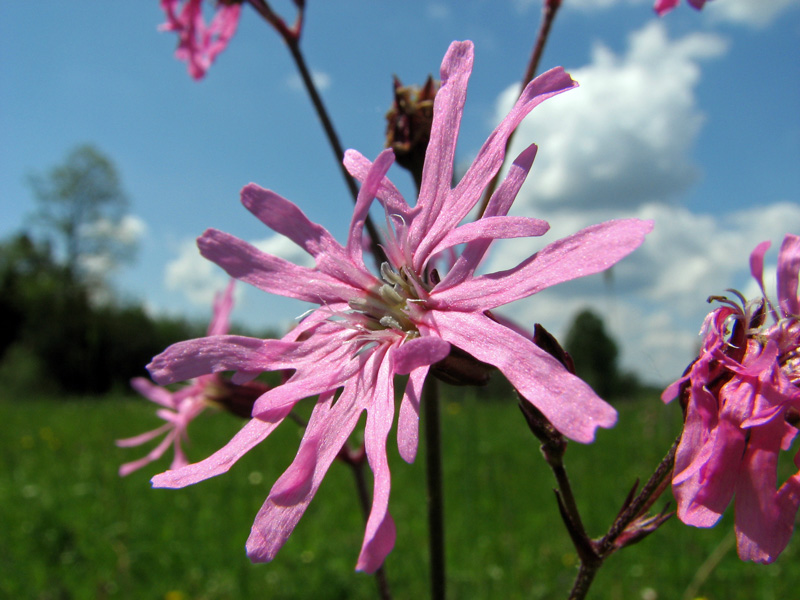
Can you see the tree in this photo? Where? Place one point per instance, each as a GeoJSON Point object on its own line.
{"type": "Point", "coordinates": [54, 339]}
{"type": "Point", "coordinates": [594, 353]}
{"type": "Point", "coordinates": [81, 207]}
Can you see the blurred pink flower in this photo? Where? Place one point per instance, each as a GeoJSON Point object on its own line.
{"type": "Point", "coordinates": [200, 43]}
{"type": "Point", "coordinates": [741, 401]}
{"type": "Point", "coordinates": [368, 328]}
{"type": "Point", "coordinates": [183, 406]}
{"type": "Point", "coordinates": [662, 7]}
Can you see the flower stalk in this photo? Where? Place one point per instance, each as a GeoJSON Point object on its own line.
{"type": "Point", "coordinates": [291, 36]}
{"type": "Point", "coordinates": [433, 463]}
{"type": "Point", "coordinates": [549, 11]}
{"type": "Point", "coordinates": [631, 524]}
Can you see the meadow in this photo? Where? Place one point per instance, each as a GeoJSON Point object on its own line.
{"type": "Point", "coordinates": [71, 528]}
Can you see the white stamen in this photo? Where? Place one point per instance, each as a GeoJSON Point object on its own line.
{"type": "Point", "coordinates": [391, 322]}
{"type": "Point", "coordinates": [390, 295]}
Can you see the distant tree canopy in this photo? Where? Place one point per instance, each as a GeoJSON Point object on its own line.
{"type": "Point", "coordinates": [81, 207]}
{"type": "Point", "coordinates": [53, 339]}
{"type": "Point", "coordinates": [595, 354]}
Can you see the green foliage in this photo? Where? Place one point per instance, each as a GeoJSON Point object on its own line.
{"type": "Point", "coordinates": [55, 339]}
{"type": "Point", "coordinates": [73, 529]}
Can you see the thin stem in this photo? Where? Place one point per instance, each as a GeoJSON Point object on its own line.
{"type": "Point", "coordinates": [583, 581]}
{"type": "Point", "coordinates": [637, 507]}
{"type": "Point", "coordinates": [549, 11]}
{"type": "Point", "coordinates": [292, 38]}
{"type": "Point", "coordinates": [336, 146]}
{"type": "Point", "coordinates": [433, 459]}
{"type": "Point", "coordinates": [649, 494]}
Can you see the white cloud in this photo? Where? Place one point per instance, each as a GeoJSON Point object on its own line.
{"type": "Point", "coordinates": [128, 230]}
{"type": "Point", "coordinates": [622, 138]}
{"type": "Point", "coordinates": [283, 247]}
{"type": "Point", "coordinates": [753, 13]}
{"type": "Point", "coordinates": [321, 79]}
{"type": "Point", "coordinates": [756, 13]}
{"type": "Point", "coordinates": [126, 233]}
{"type": "Point", "coordinates": [199, 279]}
{"type": "Point", "coordinates": [619, 147]}
{"type": "Point", "coordinates": [437, 11]}
{"type": "Point", "coordinates": [654, 301]}
{"type": "Point", "coordinates": [195, 277]}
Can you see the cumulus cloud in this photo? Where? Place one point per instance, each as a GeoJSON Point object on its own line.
{"type": "Point", "coordinates": [654, 301]}
{"type": "Point", "coordinates": [438, 11]}
{"type": "Point", "coordinates": [281, 246]}
{"type": "Point", "coordinates": [619, 146]}
{"type": "Point", "coordinates": [623, 137]}
{"type": "Point", "coordinates": [195, 277]}
{"type": "Point", "coordinates": [128, 230]}
{"type": "Point", "coordinates": [199, 280]}
{"type": "Point", "coordinates": [116, 242]}
{"type": "Point", "coordinates": [752, 13]}
{"type": "Point", "coordinates": [321, 79]}
{"type": "Point", "coordinates": [748, 12]}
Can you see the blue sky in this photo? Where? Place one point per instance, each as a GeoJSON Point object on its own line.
{"type": "Point", "coordinates": [691, 120]}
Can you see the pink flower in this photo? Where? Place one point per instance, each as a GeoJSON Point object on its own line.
{"type": "Point", "coordinates": [370, 328]}
{"type": "Point", "coordinates": [183, 406]}
{"type": "Point", "coordinates": [200, 43]}
{"type": "Point", "coordinates": [662, 7]}
{"type": "Point", "coordinates": [741, 401]}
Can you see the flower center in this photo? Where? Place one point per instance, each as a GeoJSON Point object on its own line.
{"type": "Point", "coordinates": [389, 308]}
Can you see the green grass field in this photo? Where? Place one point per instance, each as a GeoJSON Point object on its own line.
{"type": "Point", "coordinates": [70, 528]}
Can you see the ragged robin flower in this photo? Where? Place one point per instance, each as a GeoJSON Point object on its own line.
{"type": "Point", "coordinates": [662, 7]}
{"type": "Point", "coordinates": [370, 327]}
{"type": "Point", "coordinates": [199, 43]}
{"type": "Point", "coordinates": [741, 400]}
{"type": "Point", "coordinates": [179, 408]}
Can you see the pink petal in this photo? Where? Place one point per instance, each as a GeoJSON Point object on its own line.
{"type": "Point", "coordinates": [713, 486]}
{"type": "Point", "coordinates": [284, 217]}
{"type": "Point", "coordinates": [366, 195]}
{"type": "Point", "coordinates": [358, 166]}
{"type": "Point", "coordinates": [498, 205]}
{"type": "Point", "coordinates": [491, 228]}
{"type": "Point", "coordinates": [788, 268]}
{"type": "Point", "coordinates": [153, 392]}
{"type": "Point", "coordinates": [568, 402]}
{"type": "Point", "coordinates": [222, 28]}
{"type": "Point", "coordinates": [408, 419]}
{"type": "Point", "coordinates": [589, 251]}
{"type": "Point", "coordinates": [151, 456]}
{"type": "Point", "coordinates": [471, 186]}
{"type": "Point", "coordinates": [223, 305]}
{"type": "Point", "coordinates": [662, 7]}
{"type": "Point", "coordinates": [448, 107]}
{"type": "Point", "coordinates": [318, 370]}
{"type": "Point", "coordinates": [764, 517]}
{"type": "Point", "coordinates": [249, 436]}
{"type": "Point", "coordinates": [379, 535]}
{"type": "Point", "coordinates": [192, 358]}
{"type": "Point", "coordinates": [270, 273]}
{"type": "Point", "coordinates": [328, 429]}
{"type": "Point", "coordinates": [419, 352]}
{"type": "Point", "coordinates": [143, 438]}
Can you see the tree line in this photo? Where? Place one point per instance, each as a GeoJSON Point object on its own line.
{"type": "Point", "coordinates": [62, 332]}
{"type": "Point", "coordinates": [61, 329]}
